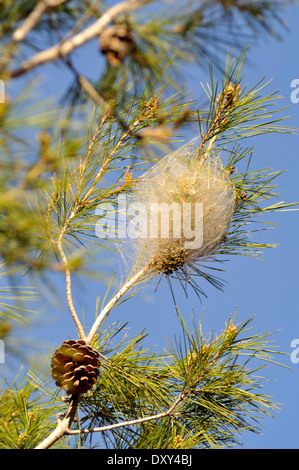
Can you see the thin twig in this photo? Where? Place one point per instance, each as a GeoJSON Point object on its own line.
{"type": "Point", "coordinates": [127, 286]}
{"type": "Point", "coordinates": [207, 137]}
{"type": "Point", "coordinates": [87, 86]}
{"type": "Point", "coordinates": [226, 104]}
{"type": "Point", "coordinates": [91, 10]}
{"type": "Point", "coordinates": [69, 288]}
{"type": "Point", "coordinates": [63, 425]}
{"type": "Point", "coordinates": [131, 422]}
{"type": "Point", "coordinates": [105, 164]}
{"type": "Point", "coordinates": [94, 95]}
{"type": "Point", "coordinates": [78, 202]}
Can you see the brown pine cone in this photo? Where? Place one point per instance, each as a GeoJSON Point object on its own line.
{"type": "Point", "coordinates": [115, 43]}
{"type": "Point", "coordinates": [75, 366]}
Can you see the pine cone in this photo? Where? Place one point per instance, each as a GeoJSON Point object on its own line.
{"type": "Point", "coordinates": [115, 43]}
{"type": "Point", "coordinates": [75, 366]}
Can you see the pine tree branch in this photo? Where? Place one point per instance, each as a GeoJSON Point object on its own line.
{"type": "Point", "coordinates": [226, 103]}
{"type": "Point", "coordinates": [132, 422]}
{"type": "Point", "coordinates": [129, 283]}
{"type": "Point", "coordinates": [77, 204]}
{"type": "Point", "coordinates": [65, 47]}
{"type": "Point", "coordinates": [95, 96]}
{"type": "Point", "coordinates": [62, 426]}
{"type": "Point", "coordinates": [87, 87]}
{"type": "Point", "coordinates": [69, 288]}
{"type": "Point", "coordinates": [125, 288]}
{"type": "Point", "coordinates": [105, 164]}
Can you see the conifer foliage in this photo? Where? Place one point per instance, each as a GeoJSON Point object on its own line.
{"type": "Point", "coordinates": [117, 136]}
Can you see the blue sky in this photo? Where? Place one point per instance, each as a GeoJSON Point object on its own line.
{"type": "Point", "coordinates": [266, 289]}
